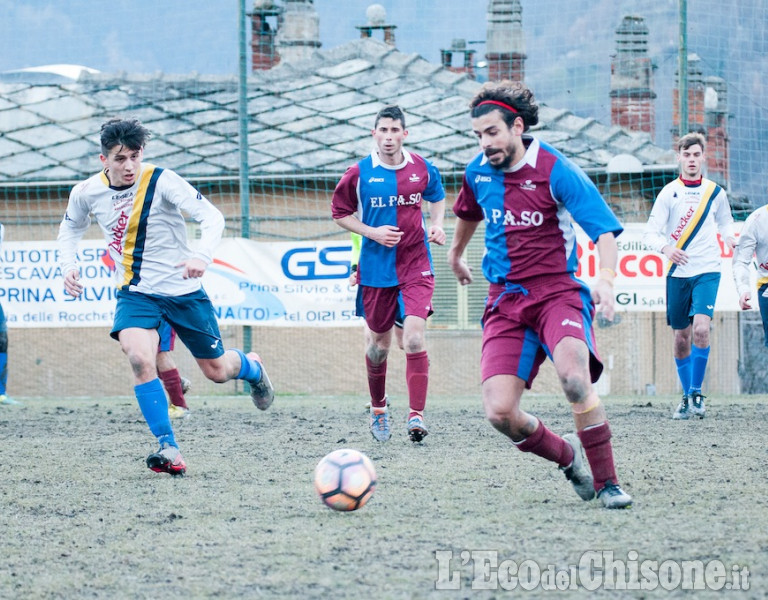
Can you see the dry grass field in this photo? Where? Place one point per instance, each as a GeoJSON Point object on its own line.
{"type": "Point", "coordinates": [82, 517]}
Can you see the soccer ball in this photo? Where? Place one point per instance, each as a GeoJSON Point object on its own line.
{"type": "Point", "coordinates": [345, 479]}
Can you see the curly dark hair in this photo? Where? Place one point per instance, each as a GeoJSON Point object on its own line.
{"type": "Point", "coordinates": [511, 98]}
{"type": "Point", "coordinates": [123, 132]}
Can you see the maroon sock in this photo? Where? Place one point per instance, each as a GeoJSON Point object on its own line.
{"type": "Point", "coordinates": [597, 446]}
{"type": "Point", "coordinates": [417, 378]}
{"type": "Point", "coordinates": [546, 444]}
{"type": "Point", "coordinates": [377, 382]}
{"type": "Point", "coordinates": [172, 384]}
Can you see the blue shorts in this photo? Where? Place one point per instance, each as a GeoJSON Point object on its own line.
{"type": "Point", "coordinates": [688, 296]}
{"type": "Point", "coordinates": [762, 302]}
{"type": "Point", "coordinates": [167, 337]}
{"type": "Point", "coordinates": [399, 313]}
{"type": "Point", "coordinates": [191, 316]}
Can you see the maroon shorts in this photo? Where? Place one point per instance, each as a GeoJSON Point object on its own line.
{"type": "Point", "coordinates": [380, 304]}
{"type": "Point", "coordinates": [522, 325]}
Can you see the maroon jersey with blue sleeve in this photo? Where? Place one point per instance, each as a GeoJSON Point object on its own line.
{"type": "Point", "coordinates": [527, 213]}
{"type": "Point", "coordinates": [382, 194]}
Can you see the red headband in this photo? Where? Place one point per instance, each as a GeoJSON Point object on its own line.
{"type": "Point", "coordinates": [497, 103]}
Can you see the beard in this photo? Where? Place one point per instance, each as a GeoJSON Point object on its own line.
{"type": "Point", "coordinates": [504, 164]}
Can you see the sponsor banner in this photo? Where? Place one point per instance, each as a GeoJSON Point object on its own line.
{"type": "Point", "coordinates": [640, 283]}
{"type": "Point", "coordinates": [32, 286]}
{"type": "Point", "coordinates": [287, 284]}
{"type": "Point", "coordinates": [290, 284]}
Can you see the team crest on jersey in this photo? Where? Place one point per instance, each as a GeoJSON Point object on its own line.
{"type": "Point", "coordinates": [122, 201]}
{"type": "Point", "coordinates": [414, 178]}
{"type": "Point", "coordinates": [528, 185]}
{"type": "Point", "coordinates": [692, 197]}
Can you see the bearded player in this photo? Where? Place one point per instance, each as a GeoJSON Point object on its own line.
{"type": "Point", "coordinates": [526, 193]}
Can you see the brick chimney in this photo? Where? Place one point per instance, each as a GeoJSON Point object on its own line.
{"type": "Point", "coordinates": [504, 45]}
{"type": "Point", "coordinates": [459, 48]}
{"type": "Point", "coordinates": [632, 95]}
{"type": "Point", "coordinates": [299, 33]}
{"type": "Point", "coordinates": [376, 17]}
{"type": "Point", "coordinates": [716, 125]}
{"type": "Point", "coordinates": [265, 22]}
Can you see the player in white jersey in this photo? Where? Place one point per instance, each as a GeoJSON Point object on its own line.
{"type": "Point", "coordinates": [138, 207]}
{"type": "Point", "coordinates": [753, 243]}
{"type": "Point", "coordinates": [683, 226]}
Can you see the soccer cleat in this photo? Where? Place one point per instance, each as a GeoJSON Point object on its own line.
{"type": "Point", "coordinates": [186, 385]}
{"type": "Point", "coordinates": [8, 401]}
{"type": "Point", "coordinates": [683, 410]}
{"type": "Point", "coordinates": [577, 472]}
{"type": "Point", "coordinates": [262, 392]}
{"type": "Point", "coordinates": [697, 404]}
{"type": "Point", "coordinates": [380, 425]}
{"type": "Point", "coordinates": [612, 496]}
{"type": "Point", "coordinates": [167, 460]}
{"type": "Point", "coordinates": [178, 412]}
{"type": "Point", "coordinates": [417, 429]}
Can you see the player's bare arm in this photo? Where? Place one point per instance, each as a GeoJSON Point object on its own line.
{"type": "Point", "coordinates": [602, 291]}
{"type": "Point", "coordinates": [436, 216]}
{"type": "Point", "coordinates": [72, 283]}
{"type": "Point", "coordinates": [461, 237]}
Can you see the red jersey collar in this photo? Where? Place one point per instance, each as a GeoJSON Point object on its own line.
{"type": "Point", "coordinates": [691, 182]}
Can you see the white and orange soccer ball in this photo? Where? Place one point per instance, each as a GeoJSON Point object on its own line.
{"type": "Point", "coordinates": [345, 479]}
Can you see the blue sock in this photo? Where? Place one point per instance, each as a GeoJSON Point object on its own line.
{"type": "Point", "coordinates": [154, 407]}
{"type": "Point", "coordinates": [684, 372]}
{"type": "Point", "coordinates": [3, 371]}
{"type": "Point", "coordinates": [250, 370]}
{"type": "Point", "coordinates": [699, 358]}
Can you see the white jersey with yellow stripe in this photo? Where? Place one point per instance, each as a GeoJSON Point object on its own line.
{"type": "Point", "coordinates": [753, 242]}
{"type": "Point", "coordinates": [144, 228]}
{"type": "Point", "coordinates": [689, 217]}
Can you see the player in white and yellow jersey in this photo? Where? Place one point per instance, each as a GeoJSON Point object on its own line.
{"type": "Point", "coordinates": [683, 226]}
{"type": "Point", "coordinates": [753, 243]}
{"type": "Point", "coordinates": [139, 209]}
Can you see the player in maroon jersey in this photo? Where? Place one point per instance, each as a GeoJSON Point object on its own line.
{"type": "Point", "coordinates": [381, 198]}
{"type": "Point", "coordinates": [526, 192]}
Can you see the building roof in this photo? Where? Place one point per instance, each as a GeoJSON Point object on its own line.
{"type": "Point", "coordinates": [311, 118]}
